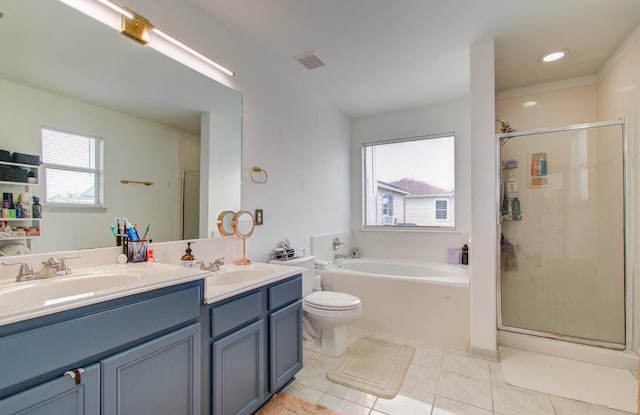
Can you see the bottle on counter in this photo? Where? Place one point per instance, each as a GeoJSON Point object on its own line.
{"type": "Point", "coordinates": [188, 260]}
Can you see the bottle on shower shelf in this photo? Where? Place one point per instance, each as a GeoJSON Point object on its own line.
{"type": "Point", "coordinates": [542, 166]}
{"type": "Point", "coordinates": [515, 209]}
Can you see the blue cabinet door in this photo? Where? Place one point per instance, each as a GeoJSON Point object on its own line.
{"type": "Point", "coordinates": [238, 371]}
{"type": "Point", "coordinates": [158, 377]}
{"type": "Point", "coordinates": [285, 345]}
{"type": "Point", "coordinates": [58, 396]}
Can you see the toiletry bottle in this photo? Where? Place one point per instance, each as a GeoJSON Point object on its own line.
{"type": "Point", "coordinates": [512, 185]}
{"type": "Point", "coordinates": [543, 166]}
{"type": "Point", "coordinates": [188, 260]}
{"type": "Point", "coordinates": [37, 207]}
{"type": "Point", "coordinates": [18, 208]}
{"type": "Point", "coordinates": [150, 254]}
{"type": "Point", "coordinates": [26, 205]}
{"type": "Point", "coordinates": [464, 258]}
{"type": "Point", "coordinates": [515, 209]}
{"type": "Point", "coordinates": [504, 208]}
{"type": "Point", "coordinates": [534, 167]}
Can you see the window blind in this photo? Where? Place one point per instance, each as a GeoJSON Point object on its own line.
{"type": "Point", "coordinates": [72, 167]}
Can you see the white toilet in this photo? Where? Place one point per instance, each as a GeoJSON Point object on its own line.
{"type": "Point", "coordinates": [325, 313]}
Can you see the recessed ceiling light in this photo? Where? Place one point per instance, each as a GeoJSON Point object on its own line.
{"type": "Point", "coordinates": [530, 104]}
{"type": "Point", "coordinates": [554, 56]}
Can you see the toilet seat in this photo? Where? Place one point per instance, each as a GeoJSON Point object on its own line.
{"type": "Point", "coordinates": [331, 301]}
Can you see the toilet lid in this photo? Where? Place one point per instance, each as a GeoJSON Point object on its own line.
{"type": "Point", "coordinates": [330, 300]}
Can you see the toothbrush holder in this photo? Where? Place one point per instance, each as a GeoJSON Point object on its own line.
{"type": "Point", "coordinates": [137, 251]}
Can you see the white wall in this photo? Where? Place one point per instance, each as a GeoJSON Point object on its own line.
{"type": "Point", "coordinates": [483, 250]}
{"type": "Point", "coordinates": [300, 140]}
{"type": "Point", "coordinates": [426, 245]}
{"type": "Point", "coordinates": [152, 156]}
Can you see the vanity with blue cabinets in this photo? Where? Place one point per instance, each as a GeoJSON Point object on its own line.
{"type": "Point", "coordinates": [112, 357]}
{"type": "Point", "coordinates": [253, 346]}
{"type": "Point", "coordinates": [167, 350]}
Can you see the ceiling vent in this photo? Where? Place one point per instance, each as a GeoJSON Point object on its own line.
{"type": "Point", "coordinates": [309, 60]}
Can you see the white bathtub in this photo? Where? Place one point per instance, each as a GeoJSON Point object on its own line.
{"type": "Point", "coordinates": [423, 301]}
{"type": "Point", "coordinates": [432, 271]}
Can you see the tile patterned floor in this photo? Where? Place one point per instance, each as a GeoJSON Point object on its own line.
{"type": "Point", "coordinates": [439, 382]}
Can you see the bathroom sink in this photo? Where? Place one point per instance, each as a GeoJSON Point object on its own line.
{"type": "Point", "coordinates": [239, 275]}
{"type": "Point", "coordinates": [67, 288]}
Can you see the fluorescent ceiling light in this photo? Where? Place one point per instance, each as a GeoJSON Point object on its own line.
{"type": "Point", "coordinates": [191, 51]}
{"type": "Point", "coordinates": [530, 104]}
{"type": "Point", "coordinates": [117, 8]}
{"type": "Point", "coordinates": [112, 15]}
{"type": "Point", "coordinates": [554, 56]}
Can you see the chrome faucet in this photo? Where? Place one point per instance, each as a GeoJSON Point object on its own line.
{"type": "Point", "coordinates": [49, 269]}
{"type": "Point", "coordinates": [335, 243]}
{"type": "Point", "coordinates": [54, 267]}
{"type": "Point", "coordinates": [214, 266]}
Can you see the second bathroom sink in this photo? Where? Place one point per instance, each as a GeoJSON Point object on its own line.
{"type": "Point", "coordinates": [242, 274]}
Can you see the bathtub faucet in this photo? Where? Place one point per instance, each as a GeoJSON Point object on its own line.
{"type": "Point", "coordinates": [340, 256]}
{"type": "Point", "coordinates": [335, 244]}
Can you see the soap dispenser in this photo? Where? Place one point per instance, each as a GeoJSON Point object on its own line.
{"type": "Point", "coordinates": [188, 260]}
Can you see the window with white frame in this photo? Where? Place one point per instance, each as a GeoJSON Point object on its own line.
{"type": "Point", "coordinates": [72, 166]}
{"type": "Point", "coordinates": [441, 209]}
{"type": "Point", "coordinates": [409, 182]}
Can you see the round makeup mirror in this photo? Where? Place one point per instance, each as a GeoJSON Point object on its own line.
{"type": "Point", "coordinates": [243, 225]}
{"type": "Point", "coordinates": [224, 222]}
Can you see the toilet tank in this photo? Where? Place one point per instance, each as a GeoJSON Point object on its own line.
{"type": "Point", "coordinates": [307, 275]}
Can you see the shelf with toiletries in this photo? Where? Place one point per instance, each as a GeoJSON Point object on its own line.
{"type": "Point", "coordinates": [509, 164]}
{"type": "Point", "coordinates": [20, 211]}
{"type": "Point", "coordinates": [18, 174]}
{"type": "Point", "coordinates": [538, 170]}
{"type": "Point", "coordinates": [20, 217]}
{"type": "Point", "coordinates": [510, 203]}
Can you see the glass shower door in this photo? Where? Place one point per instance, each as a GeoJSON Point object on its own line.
{"type": "Point", "coordinates": [562, 270]}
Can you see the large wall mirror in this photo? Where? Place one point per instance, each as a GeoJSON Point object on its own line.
{"type": "Point", "coordinates": [160, 122]}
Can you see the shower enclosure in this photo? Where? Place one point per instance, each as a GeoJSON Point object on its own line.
{"type": "Point", "coordinates": [563, 268]}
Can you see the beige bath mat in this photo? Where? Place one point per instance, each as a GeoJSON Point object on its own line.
{"type": "Point", "coordinates": [599, 385]}
{"type": "Point", "coordinates": [373, 366]}
{"type": "Point", "coordinates": [283, 404]}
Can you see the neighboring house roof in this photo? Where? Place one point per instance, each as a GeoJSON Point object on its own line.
{"type": "Point", "coordinates": [392, 187]}
{"type": "Point", "coordinates": [417, 187]}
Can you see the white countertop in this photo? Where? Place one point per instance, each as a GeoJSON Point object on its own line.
{"type": "Point", "coordinates": [258, 274]}
{"type": "Point", "coordinates": [29, 299]}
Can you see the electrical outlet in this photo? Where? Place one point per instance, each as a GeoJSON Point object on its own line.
{"type": "Point", "coordinates": [258, 216]}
